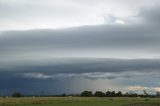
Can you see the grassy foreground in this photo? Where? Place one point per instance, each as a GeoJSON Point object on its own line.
{"type": "Point", "coordinates": [79, 101]}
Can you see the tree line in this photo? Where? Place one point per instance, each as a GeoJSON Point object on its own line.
{"type": "Point", "coordinates": [96, 94]}
{"type": "Point", "coordinates": [116, 94]}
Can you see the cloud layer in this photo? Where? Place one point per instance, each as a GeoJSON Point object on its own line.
{"type": "Point", "coordinates": [62, 75]}
{"type": "Point", "coordinates": [24, 14]}
{"type": "Point", "coordinates": [120, 52]}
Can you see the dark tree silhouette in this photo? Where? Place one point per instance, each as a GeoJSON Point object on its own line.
{"type": "Point", "coordinates": [99, 94]}
{"type": "Point", "coordinates": [158, 94]}
{"type": "Point", "coordinates": [87, 93]}
{"type": "Point", "coordinates": [119, 94]}
{"type": "Point", "coordinates": [16, 94]}
{"type": "Point", "coordinates": [113, 94]}
{"type": "Point", "coordinates": [63, 95]}
{"type": "Point", "coordinates": [108, 94]}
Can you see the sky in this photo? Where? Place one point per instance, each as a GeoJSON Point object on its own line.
{"type": "Point", "coordinates": [68, 46]}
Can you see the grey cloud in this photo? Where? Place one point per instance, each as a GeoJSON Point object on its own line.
{"type": "Point", "coordinates": [94, 39]}
{"type": "Point", "coordinates": [92, 75]}
{"type": "Point", "coordinates": [62, 75]}
{"type": "Point", "coordinates": [23, 14]}
{"type": "Point", "coordinates": [11, 82]}
{"type": "Point", "coordinates": [140, 38]}
{"type": "Point", "coordinates": [151, 15]}
{"type": "Point", "coordinates": [39, 57]}
{"type": "Point", "coordinates": [80, 66]}
{"type": "Point", "coordinates": [59, 78]}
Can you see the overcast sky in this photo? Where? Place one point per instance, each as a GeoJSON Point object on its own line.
{"type": "Point", "coordinates": [74, 45]}
{"type": "Point", "coordinates": [34, 14]}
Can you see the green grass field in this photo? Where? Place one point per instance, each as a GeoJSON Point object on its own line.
{"type": "Point", "coordinates": [79, 101]}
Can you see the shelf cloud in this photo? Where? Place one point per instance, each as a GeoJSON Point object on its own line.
{"type": "Point", "coordinates": [99, 44]}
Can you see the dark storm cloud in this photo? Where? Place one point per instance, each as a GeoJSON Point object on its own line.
{"type": "Point", "coordinates": [56, 78]}
{"type": "Point", "coordinates": [11, 82]}
{"type": "Point", "coordinates": [30, 59]}
{"type": "Point", "coordinates": [81, 66]}
{"type": "Point", "coordinates": [103, 40]}
{"type": "Point", "coordinates": [139, 38]}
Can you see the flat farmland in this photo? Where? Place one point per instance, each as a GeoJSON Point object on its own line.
{"type": "Point", "coordinates": [79, 101]}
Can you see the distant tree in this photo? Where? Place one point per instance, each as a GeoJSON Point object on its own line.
{"type": "Point", "coordinates": [113, 94]}
{"type": "Point", "coordinates": [126, 94]}
{"type": "Point", "coordinates": [76, 95]}
{"type": "Point", "coordinates": [158, 94]}
{"type": "Point", "coordinates": [132, 94]}
{"type": "Point", "coordinates": [108, 94]}
{"type": "Point", "coordinates": [119, 94]}
{"type": "Point", "coordinates": [63, 95]}
{"type": "Point", "coordinates": [17, 94]}
{"type": "Point", "coordinates": [87, 93]}
{"type": "Point", "coordinates": [99, 94]}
